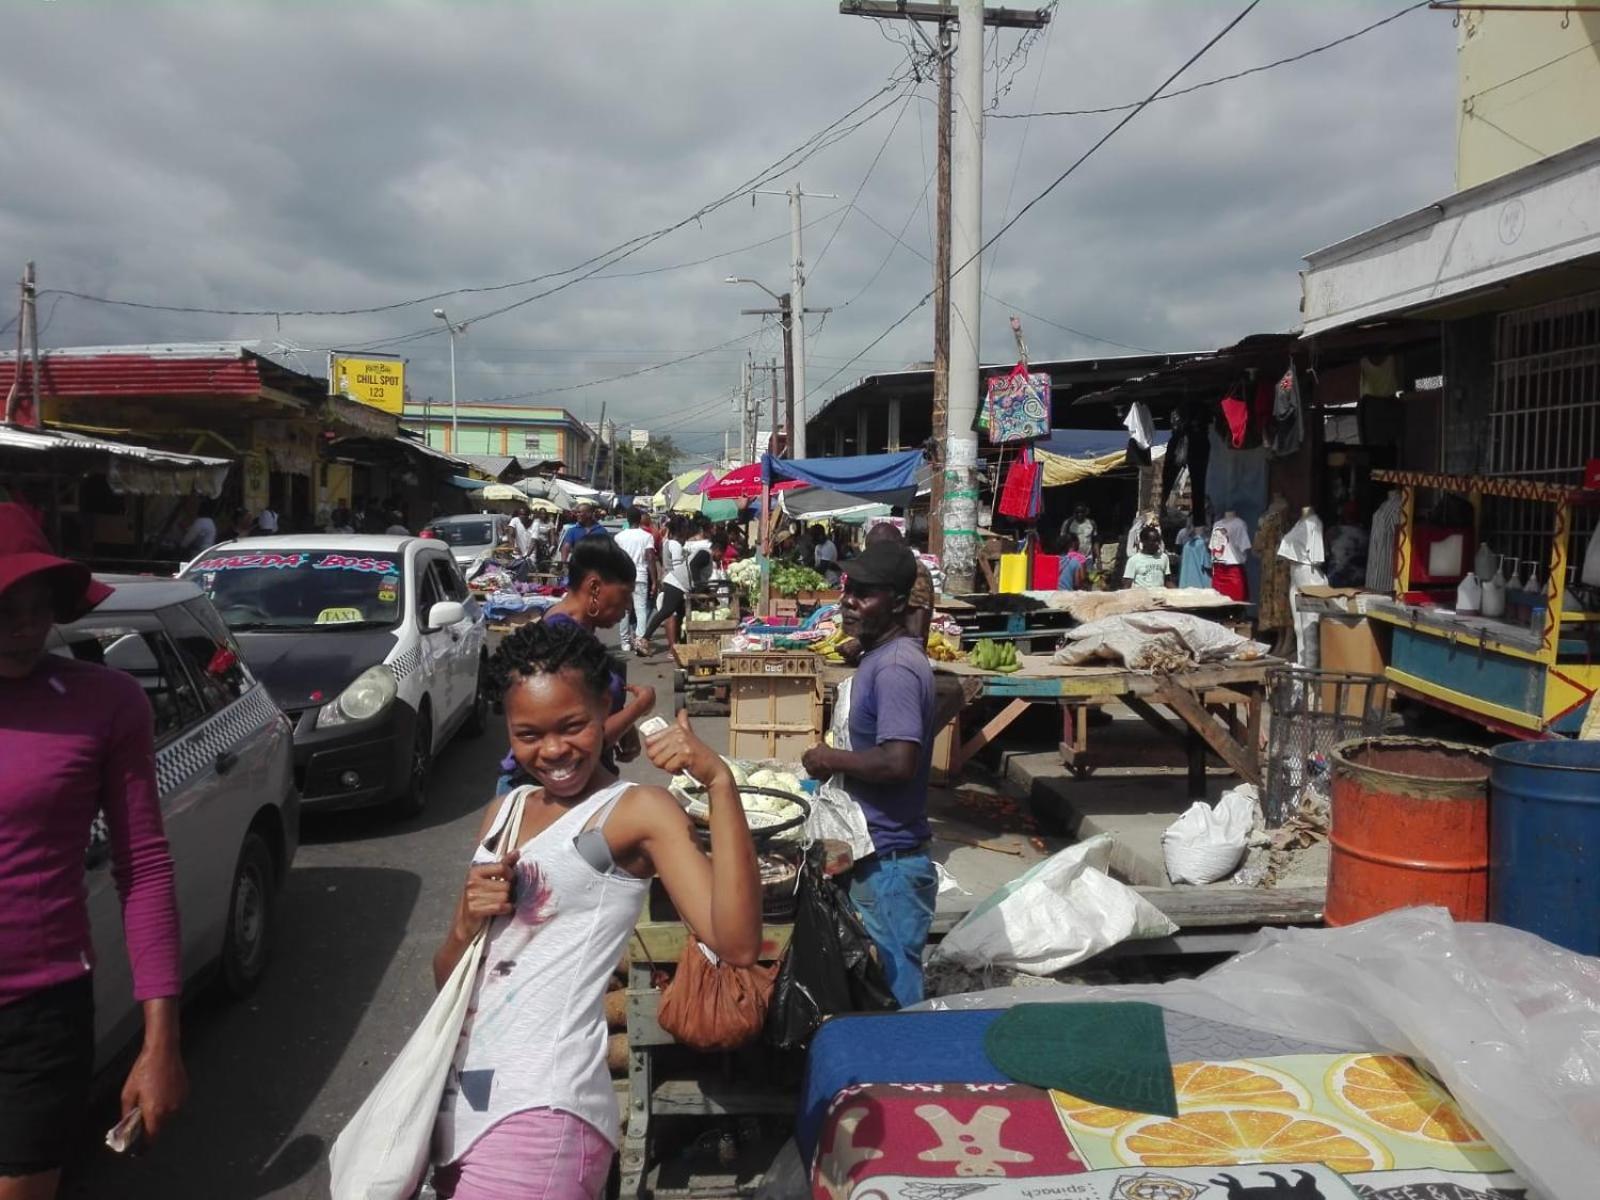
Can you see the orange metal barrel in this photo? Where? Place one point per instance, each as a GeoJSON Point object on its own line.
{"type": "Point", "coordinates": [1410, 825]}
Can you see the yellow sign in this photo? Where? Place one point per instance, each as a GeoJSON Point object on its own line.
{"type": "Point", "coordinates": [379, 382]}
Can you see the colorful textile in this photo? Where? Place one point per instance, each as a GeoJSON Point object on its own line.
{"type": "Point", "coordinates": [1017, 406]}
{"type": "Point", "coordinates": [1194, 564]}
{"type": "Point", "coordinates": [1229, 579]}
{"type": "Point", "coordinates": [1274, 610]}
{"type": "Point", "coordinates": [1236, 411]}
{"type": "Point", "coordinates": [1114, 1054]}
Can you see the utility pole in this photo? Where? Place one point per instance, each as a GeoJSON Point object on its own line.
{"type": "Point", "coordinates": [15, 412]}
{"type": "Point", "coordinates": [747, 413]}
{"type": "Point", "coordinates": [795, 341]}
{"type": "Point", "coordinates": [791, 363]}
{"type": "Point", "coordinates": [599, 433]}
{"type": "Point", "coordinates": [954, 507]}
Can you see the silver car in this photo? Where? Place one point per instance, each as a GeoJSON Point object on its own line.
{"type": "Point", "coordinates": [471, 537]}
{"type": "Point", "coordinates": [224, 765]}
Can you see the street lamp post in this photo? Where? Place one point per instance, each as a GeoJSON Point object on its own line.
{"type": "Point", "coordinates": [455, 431]}
{"type": "Point", "coordinates": [785, 314]}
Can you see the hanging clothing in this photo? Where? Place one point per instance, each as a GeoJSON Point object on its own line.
{"type": "Point", "coordinates": [1380, 377]}
{"type": "Point", "coordinates": [1380, 547]}
{"type": "Point", "coordinates": [1190, 447]}
{"type": "Point", "coordinates": [1194, 564]}
{"type": "Point", "coordinates": [535, 1035]}
{"type": "Point", "coordinates": [1229, 579]}
{"type": "Point", "coordinates": [1274, 600]}
{"type": "Point", "coordinates": [1141, 432]}
{"type": "Point", "coordinates": [1288, 429]}
{"type": "Point", "coordinates": [1308, 651]}
{"type": "Point", "coordinates": [1236, 412]}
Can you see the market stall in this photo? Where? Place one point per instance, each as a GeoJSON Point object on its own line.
{"type": "Point", "coordinates": [1528, 668]}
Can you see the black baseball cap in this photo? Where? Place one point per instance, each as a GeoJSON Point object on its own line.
{"type": "Point", "coordinates": [883, 565]}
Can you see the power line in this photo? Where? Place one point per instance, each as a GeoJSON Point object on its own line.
{"type": "Point", "coordinates": [1281, 62]}
{"type": "Point", "coordinates": [813, 145]}
{"type": "Point", "coordinates": [1057, 182]}
{"type": "Point", "coordinates": [871, 167]}
{"type": "Point", "coordinates": [589, 383]}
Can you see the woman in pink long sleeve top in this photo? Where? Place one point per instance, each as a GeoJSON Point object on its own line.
{"type": "Point", "coordinates": [74, 737]}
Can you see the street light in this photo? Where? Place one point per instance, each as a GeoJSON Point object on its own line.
{"type": "Point", "coordinates": [455, 432]}
{"type": "Point", "coordinates": [755, 282]}
{"type": "Point", "coordinates": [786, 314]}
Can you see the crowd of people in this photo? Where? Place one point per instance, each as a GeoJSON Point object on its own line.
{"type": "Point", "coordinates": [528, 1095]}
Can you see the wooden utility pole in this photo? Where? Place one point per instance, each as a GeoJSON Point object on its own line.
{"type": "Point", "coordinates": [786, 308]}
{"type": "Point", "coordinates": [944, 16]}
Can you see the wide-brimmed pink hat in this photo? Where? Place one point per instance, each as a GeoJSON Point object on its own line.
{"type": "Point", "coordinates": [25, 552]}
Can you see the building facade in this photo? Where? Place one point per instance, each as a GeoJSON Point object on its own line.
{"type": "Point", "coordinates": [545, 434]}
{"type": "Point", "coordinates": [1528, 87]}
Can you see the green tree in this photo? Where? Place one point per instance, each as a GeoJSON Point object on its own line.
{"type": "Point", "coordinates": [644, 470]}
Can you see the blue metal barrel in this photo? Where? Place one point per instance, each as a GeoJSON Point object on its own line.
{"type": "Point", "coordinates": [1544, 841]}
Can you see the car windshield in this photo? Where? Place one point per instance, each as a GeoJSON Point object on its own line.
{"type": "Point", "coordinates": [302, 589]}
{"type": "Point", "coordinates": [464, 533]}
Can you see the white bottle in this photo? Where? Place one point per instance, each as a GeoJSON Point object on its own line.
{"type": "Point", "coordinates": [1469, 596]}
{"type": "Point", "coordinates": [1533, 583]}
{"type": "Point", "coordinates": [1494, 595]}
{"type": "Point", "coordinates": [1483, 562]}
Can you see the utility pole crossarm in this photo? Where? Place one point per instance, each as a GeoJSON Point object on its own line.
{"type": "Point", "coordinates": [1002, 18]}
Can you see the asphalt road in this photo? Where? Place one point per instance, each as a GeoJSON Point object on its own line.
{"type": "Point", "coordinates": [274, 1079]}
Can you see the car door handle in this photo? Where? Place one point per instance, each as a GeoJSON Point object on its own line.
{"type": "Point", "coordinates": [225, 761]}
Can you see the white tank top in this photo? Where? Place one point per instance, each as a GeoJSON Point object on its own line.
{"type": "Point", "coordinates": [535, 1033]}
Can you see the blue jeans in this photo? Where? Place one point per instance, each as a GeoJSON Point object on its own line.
{"type": "Point", "coordinates": [641, 615]}
{"type": "Point", "coordinates": [895, 897]}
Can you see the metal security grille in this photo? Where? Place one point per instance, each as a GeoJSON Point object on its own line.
{"type": "Point", "coordinates": [1545, 423]}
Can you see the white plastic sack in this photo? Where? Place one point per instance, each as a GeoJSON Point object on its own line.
{"type": "Point", "coordinates": [1508, 1021]}
{"type": "Point", "coordinates": [835, 816]}
{"type": "Point", "coordinates": [1591, 560]}
{"type": "Point", "coordinates": [1061, 912]}
{"type": "Point", "coordinates": [1145, 640]}
{"type": "Point", "coordinates": [382, 1153]}
{"type": "Point", "coordinates": [1206, 844]}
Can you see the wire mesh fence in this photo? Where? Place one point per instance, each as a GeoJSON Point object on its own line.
{"type": "Point", "coordinates": [1310, 711]}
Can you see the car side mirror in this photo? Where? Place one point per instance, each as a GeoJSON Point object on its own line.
{"type": "Point", "coordinates": [446, 612]}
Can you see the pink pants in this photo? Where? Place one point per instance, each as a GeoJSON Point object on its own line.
{"type": "Point", "coordinates": [540, 1154]}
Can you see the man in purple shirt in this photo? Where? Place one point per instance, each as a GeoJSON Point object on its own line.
{"type": "Point", "coordinates": [74, 737]}
{"type": "Point", "coordinates": [886, 769]}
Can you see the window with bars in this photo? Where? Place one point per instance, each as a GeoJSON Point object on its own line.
{"type": "Point", "coordinates": [1545, 423]}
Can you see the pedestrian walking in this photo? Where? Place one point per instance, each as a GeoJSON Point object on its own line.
{"type": "Point", "coordinates": [85, 733]}
{"type": "Point", "coordinates": [674, 599]}
{"type": "Point", "coordinates": [639, 544]}
{"type": "Point", "coordinates": [528, 1107]}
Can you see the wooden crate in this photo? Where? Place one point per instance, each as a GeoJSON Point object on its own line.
{"type": "Point", "coordinates": [775, 705]}
{"type": "Point", "coordinates": [785, 608]}
{"type": "Point", "coordinates": [708, 633]}
{"type": "Point", "coordinates": [697, 657]}
{"type": "Point", "coordinates": [771, 662]}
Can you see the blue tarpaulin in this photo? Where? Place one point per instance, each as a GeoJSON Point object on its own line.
{"type": "Point", "coordinates": [860, 475]}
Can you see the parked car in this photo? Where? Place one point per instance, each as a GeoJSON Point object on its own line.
{"type": "Point", "coordinates": [373, 646]}
{"type": "Point", "coordinates": [225, 770]}
{"type": "Point", "coordinates": [471, 536]}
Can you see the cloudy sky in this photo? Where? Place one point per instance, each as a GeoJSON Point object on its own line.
{"type": "Point", "coordinates": [303, 156]}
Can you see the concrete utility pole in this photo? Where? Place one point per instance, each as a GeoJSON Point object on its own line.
{"type": "Point", "coordinates": [599, 435]}
{"type": "Point", "coordinates": [795, 341]}
{"type": "Point", "coordinates": [27, 336]}
{"type": "Point", "coordinates": [747, 414]}
{"type": "Point", "coordinates": [954, 510]}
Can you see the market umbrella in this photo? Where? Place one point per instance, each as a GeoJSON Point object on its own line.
{"type": "Point", "coordinates": [544, 506]}
{"type": "Point", "coordinates": [742, 483]}
{"type": "Point", "coordinates": [501, 491]}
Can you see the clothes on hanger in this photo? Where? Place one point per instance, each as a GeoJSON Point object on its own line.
{"type": "Point", "coordinates": [1380, 546]}
{"type": "Point", "coordinates": [1140, 434]}
{"type": "Point", "coordinates": [1236, 412]}
{"type": "Point", "coordinates": [1380, 376]}
{"type": "Point", "coordinates": [1190, 447]}
{"type": "Point", "coordinates": [1288, 430]}
{"type": "Point", "coordinates": [1194, 563]}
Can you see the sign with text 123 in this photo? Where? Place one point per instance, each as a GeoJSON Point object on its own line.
{"type": "Point", "coordinates": [379, 382]}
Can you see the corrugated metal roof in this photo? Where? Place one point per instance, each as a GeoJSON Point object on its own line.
{"type": "Point", "coordinates": [489, 464]}
{"type": "Point", "coordinates": [57, 441]}
{"type": "Point", "coordinates": [170, 369]}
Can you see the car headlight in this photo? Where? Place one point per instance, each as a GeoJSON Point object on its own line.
{"type": "Point", "coordinates": [369, 694]}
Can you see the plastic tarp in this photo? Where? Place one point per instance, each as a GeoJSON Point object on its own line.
{"type": "Point", "coordinates": [867, 475]}
{"type": "Point", "coordinates": [824, 504]}
{"type": "Point", "coordinates": [1508, 1021]}
{"type": "Point", "coordinates": [1073, 455]}
{"type": "Point", "coordinates": [741, 483]}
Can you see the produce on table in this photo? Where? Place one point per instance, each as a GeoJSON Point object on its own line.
{"type": "Point", "coordinates": [942, 647]}
{"type": "Point", "coordinates": [745, 574]}
{"type": "Point", "coordinates": [789, 579]}
{"type": "Point", "coordinates": [828, 647]}
{"type": "Point", "coordinates": [719, 614]}
{"type": "Point", "coordinates": [995, 656]}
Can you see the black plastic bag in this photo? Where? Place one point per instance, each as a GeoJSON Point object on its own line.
{"type": "Point", "coordinates": [828, 968]}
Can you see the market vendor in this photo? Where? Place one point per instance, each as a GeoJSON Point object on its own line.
{"type": "Point", "coordinates": [886, 770]}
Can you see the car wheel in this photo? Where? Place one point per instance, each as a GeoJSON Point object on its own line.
{"type": "Point", "coordinates": [477, 723]}
{"type": "Point", "coordinates": [250, 916]}
{"type": "Point", "coordinates": [413, 797]}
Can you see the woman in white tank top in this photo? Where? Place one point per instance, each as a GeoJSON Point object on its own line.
{"type": "Point", "coordinates": [528, 1109]}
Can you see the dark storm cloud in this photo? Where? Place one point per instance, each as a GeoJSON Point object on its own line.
{"type": "Point", "coordinates": [298, 156]}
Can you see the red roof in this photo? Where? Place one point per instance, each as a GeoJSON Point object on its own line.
{"type": "Point", "coordinates": [140, 375]}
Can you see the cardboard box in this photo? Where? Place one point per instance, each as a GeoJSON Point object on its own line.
{"type": "Point", "coordinates": [1348, 643]}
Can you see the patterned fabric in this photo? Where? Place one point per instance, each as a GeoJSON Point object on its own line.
{"type": "Point", "coordinates": [1274, 610]}
{"type": "Point", "coordinates": [1380, 549]}
{"type": "Point", "coordinates": [1018, 406]}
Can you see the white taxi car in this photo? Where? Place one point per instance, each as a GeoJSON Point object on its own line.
{"type": "Point", "coordinates": [373, 646]}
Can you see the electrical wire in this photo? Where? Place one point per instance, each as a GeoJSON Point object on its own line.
{"type": "Point", "coordinates": [1027, 128]}
{"type": "Point", "coordinates": [871, 167]}
{"type": "Point", "coordinates": [1057, 182]}
{"type": "Point", "coordinates": [589, 383]}
{"type": "Point", "coordinates": [1188, 91]}
{"type": "Point", "coordinates": [827, 136]}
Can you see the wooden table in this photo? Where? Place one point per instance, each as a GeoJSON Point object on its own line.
{"type": "Point", "coordinates": [1205, 700]}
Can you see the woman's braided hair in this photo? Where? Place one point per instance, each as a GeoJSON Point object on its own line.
{"type": "Point", "coordinates": [547, 647]}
